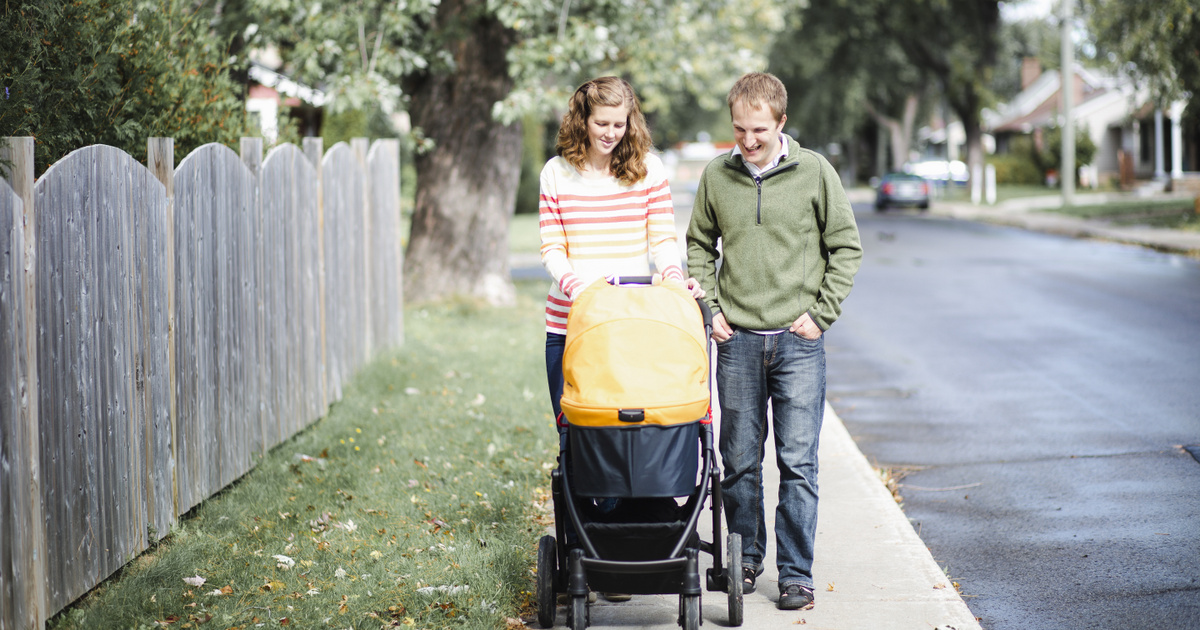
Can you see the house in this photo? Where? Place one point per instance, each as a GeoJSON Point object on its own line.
{"type": "Point", "coordinates": [1134, 141]}
{"type": "Point", "coordinates": [269, 90]}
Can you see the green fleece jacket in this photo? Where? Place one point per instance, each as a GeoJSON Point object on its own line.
{"type": "Point", "coordinates": [788, 241]}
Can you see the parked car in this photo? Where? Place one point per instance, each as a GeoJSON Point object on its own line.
{"type": "Point", "coordinates": [902, 189]}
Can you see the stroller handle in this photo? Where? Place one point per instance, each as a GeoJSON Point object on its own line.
{"type": "Point", "coordinates": [620, 281]}
{"type": "Point", "coordinates": [706, 313]}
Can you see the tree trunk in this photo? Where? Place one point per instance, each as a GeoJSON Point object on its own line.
{"type": "Point", "coordinates": [467, 184]}
{"type": "Point", "coordinates": [967, 106]}
{"type": "Point", "coordinates": [900, 132]}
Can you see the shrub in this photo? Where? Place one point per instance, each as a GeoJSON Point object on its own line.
{"type": "Point", "coordinates": [1015, 168]}
{"type": "Point", "coordinates": [115, 72]}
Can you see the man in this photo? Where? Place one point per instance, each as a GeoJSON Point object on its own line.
{"type": "Point", "coordinates": [789, 252]}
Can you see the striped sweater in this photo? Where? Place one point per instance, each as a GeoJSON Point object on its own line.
{"type": "Point", "coordinates": [592, 228]}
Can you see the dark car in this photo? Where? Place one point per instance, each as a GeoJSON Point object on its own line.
{"type": "Point", "coordinates": [902, 189]}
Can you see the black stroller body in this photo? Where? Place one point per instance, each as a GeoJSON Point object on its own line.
{"type": "Point", "coordinates": [637, 405]}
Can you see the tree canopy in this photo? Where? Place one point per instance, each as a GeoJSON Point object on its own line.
{"type": "Point", "coordinates": [467, 73]}
{"type": "Point", "coordinates": [114, 72]}
{"type": "Point", "coordinates": [1157, 42]}
{"type": "Point", "coordinates": [846, 59]}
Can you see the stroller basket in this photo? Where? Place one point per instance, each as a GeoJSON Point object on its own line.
{"type": "Point", "coordinates": [649, 461]}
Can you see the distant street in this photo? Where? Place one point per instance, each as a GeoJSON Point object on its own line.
{"type": "Point", "coordinates": [1035, 392]}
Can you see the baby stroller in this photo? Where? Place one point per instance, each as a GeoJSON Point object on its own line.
{"type": "Point", "coordinates": [636, 401]}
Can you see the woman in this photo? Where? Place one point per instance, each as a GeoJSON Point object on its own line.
{"type": "Point", "coordinates": [604, 203]}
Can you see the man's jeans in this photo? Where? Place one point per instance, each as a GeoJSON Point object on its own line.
{"type": "Point", "coordinates": [789, 372]}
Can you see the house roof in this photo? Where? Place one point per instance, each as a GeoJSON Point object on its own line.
{"type": "Point", "coordinates": [286, 86]}
{"type": "Point", "coordinates": [1038, 105]}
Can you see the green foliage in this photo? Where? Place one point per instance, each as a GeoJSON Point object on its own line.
{"type": "Point", "coordinates": [840, 60]}
{"type": "Point", "coordinates": [363, 51]}
{"type": "Point", "coordinates": [1156, 41]}
{"type": "Point", "coordinates": [341, 126]}
{"type": "Point", "coordinates": [1015, 168]}
{"type": "Point", "coordinates": [845, 61]}
{"type": "Point", "coordinates": [114, 72]}
{"type": "Point", "coordinates": [533, 156]}
{"type": "Point", "coordinates": [1049, 156]}
{"type": "Point", "coordinates": [1037, 38]}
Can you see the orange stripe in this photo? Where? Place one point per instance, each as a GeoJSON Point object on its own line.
{"type": "Point", "coordinates": [628, 194]}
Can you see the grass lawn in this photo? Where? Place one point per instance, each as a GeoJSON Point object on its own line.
{"type": "Point", "coordinates": [523, 235]}
{"type": "Point", "coordinates": [416, 502]}
{"type": "Point", "coordinates": [1168, 213]}
{"type": "Point", "coordinates": [1003, 193]}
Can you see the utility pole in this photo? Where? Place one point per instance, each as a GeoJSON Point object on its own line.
{"type": "Point", "coordinates": [1066, 174]}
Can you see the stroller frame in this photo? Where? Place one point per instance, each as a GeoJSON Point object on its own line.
{"type": "Point", "coordinates": [580, 567]}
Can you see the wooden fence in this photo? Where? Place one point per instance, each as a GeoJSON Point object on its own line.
{"type": "Point", "coordinates": [159, 328]}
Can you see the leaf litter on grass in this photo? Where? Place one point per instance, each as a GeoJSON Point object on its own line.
{"type": "Point", "coordinates": [416, 502]}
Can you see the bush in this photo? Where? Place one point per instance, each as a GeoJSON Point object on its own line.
{"type": "Point", "coordinates": [115, 72]}
{"type": "Point", "coordinates": [1015, 168]}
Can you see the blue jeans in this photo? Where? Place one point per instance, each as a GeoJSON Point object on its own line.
{"type": "Point", "coordinates": [555, 345]}
{"type": "Point", "coordinates": [787, 371]}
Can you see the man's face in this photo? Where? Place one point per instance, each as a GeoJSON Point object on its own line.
{"type": "Point", "coordinates": [756, 132]}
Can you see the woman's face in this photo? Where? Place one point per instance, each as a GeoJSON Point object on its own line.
{"type": "Point", "coordinates": [606, 126]}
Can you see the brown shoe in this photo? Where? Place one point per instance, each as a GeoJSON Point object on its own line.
{"type": "Point", "coordinates": [565, 598]}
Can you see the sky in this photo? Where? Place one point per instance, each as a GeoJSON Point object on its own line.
{"type": "Point", "coordinates": [1016, 10]}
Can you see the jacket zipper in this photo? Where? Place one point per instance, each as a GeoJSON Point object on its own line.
{"type": "Point", "coordinates": [758, 184]}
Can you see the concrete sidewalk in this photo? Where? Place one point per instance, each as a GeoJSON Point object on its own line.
{"type": "Point", "coordinates": [871, 570]}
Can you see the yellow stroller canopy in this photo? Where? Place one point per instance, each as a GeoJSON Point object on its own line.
{"type": "Point", "coordinates": [635, 356]}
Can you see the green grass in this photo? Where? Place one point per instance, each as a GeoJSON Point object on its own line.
{"type": "Point", "coordinates": [523, 235]}
{"type": "Point", "coordinates": [1169, 213]}
{"type": "Point", "coordinates": [1003, 192]}
{"type": "Point", "coordinates": [431, 474]}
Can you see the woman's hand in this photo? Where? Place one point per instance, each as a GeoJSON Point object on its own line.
{"type": "Point", "coordinates": [693, 285]}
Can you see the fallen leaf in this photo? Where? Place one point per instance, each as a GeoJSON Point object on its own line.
{"type": "Point", "coordinates": [340, 573]}
{"type": "Point", "coordinates": [285, 562]}
{"type": "Point", "coordinates": [830, 587]}
{"type": "Point", "coordinates": [195, 581]}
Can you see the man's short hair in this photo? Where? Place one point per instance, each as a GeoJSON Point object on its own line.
{"type": "Point", "coordinates": [756, 89]}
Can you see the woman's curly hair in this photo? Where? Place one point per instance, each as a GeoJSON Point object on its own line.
{"type": "Point", "coordinates": [628, 157]}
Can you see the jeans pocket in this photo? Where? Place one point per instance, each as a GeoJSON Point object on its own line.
{"type": "Point", "coordinates": [802, 338]}
{"type": "Point", "coordinates": [726, 342]}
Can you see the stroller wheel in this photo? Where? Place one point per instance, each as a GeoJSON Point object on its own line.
{"type": "Point", "coordinates": [577, 616]}
{"type": "Point", "coordinates": [547, 564]}
{"type": "Point", "coordinates": [689, 613]}
{"type": "Point", "coordinates": [733, 579]}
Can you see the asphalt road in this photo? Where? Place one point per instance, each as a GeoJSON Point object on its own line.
{"type": "Point", "coordinates": [1036, 393]}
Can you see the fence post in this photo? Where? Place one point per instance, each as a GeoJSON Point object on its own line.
{"type": "Point", "coordinates": [252, 157]}
{"type": "Point", "coordinates": [361, 146]}
{"type": "Point", "coordinates": [29, 574]}
{"type": "Point", "coordinates": [313, 149]}
{"type": "Point", "coordinates": [160, 159]}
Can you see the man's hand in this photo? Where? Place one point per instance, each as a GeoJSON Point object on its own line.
{"type": "Point", "coordinates": [805, 327]}
{"type": "Point", "coordinates": [721, 329]}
